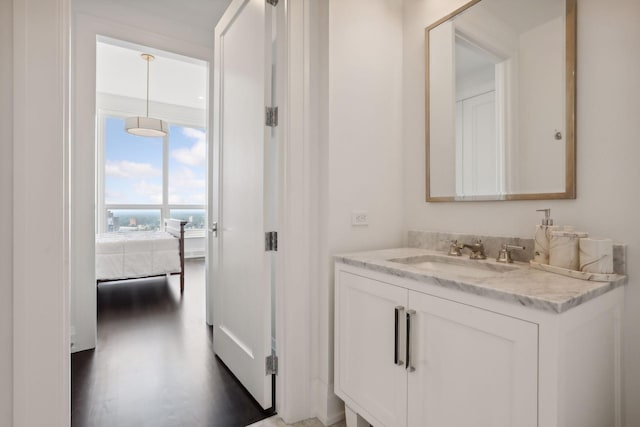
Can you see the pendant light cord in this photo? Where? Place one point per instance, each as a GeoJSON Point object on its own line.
{"type": "Point", "coordinates": [148, 60]}
{"type": "Point", "coordinates": [149, 127]}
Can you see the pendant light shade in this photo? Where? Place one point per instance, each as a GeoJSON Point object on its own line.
{"type": "Point", "coordinates": [146, 126]}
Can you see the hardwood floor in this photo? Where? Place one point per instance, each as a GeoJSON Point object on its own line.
{"type": "Point", "coordinates": [276, 421]}
{"type": "Point", "coordinates": [154, 364]}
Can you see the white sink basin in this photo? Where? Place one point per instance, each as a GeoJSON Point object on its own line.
{"type": "Point", "coordinates": [457, 265]}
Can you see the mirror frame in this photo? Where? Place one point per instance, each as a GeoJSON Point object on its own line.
{"type": "Point", "coordinates": [570, 114]}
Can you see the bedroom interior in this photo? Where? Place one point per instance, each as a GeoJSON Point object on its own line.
{"type": "Point", "coordinates": [140, 182]}
{"type": "Point", "coordinates": [355, 106]}
{"type": "Point", "coordinates": [133, 256]}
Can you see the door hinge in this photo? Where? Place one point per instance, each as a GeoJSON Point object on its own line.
{"type": "Point", "coordinates": [271, 116]}
{"type": "Point", "coordinates": [273, 2]}
{"type": "Point", "coordinates": [271, 241]}
{"type": "Point", "coordinates": [271, 365]}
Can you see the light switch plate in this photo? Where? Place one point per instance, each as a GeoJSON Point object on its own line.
{"type": "Point", "coordinates": [359, 218]}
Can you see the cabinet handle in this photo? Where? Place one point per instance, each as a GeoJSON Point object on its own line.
{"type": "Point", "coordinates": [408, 365]}
{"type": "Point", "coordinates": [396, 350]}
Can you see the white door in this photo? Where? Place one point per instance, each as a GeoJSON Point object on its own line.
{"type": "Point", "coordinates": [241, 287]}
{"type": "Point", "coordinates": [466, 357]}
{"type": "Point", "coordinates": [370, 374]}
{"type": "Point", "coordinates": [479, 153]}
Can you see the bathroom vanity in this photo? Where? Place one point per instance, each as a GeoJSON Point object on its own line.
{"type": "Point", "coordinates": [425, 339]}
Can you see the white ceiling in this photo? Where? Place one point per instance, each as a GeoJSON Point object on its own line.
{"type": "Point", "coordinates": [173, 79]}
{"type": "Point", "coordinates": [192, 13]}
{"type": "Point", "coordinates": [523, 15]}
{"type": "Point", "coordinates": [470, 59]}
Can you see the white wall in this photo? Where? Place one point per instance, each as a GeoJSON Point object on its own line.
{"type": "Point", "coordinates": [608, 141]}
{"type": "Point", "coordinates": [365, 122]}
{"type": "Point", "coordinates": [541, 95]}
{"type": "Point", "coordinates": [442, 134]}
{"type": "Point", "coordinates": [362, 159]}
{"type": "Point", "coordinates": [40, 215]}
{"type": "Point", "coordinates": [6, 212]}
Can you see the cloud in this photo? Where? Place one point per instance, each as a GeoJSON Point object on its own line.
{"type": "Point", "coordinates": [115, 196]}
{"type": "Point", "coordinates": [196, 154]}
{"type": "Point", "coordinates": [188, 199]}
{"type": "Point", "coordinates": [194, 133]}
{"type": "Point", "coordinates": [150, 193]}
{"type": "Point", "coordinates": [127, 169]}
{"type": "Point", "coordinates": [186, 187]}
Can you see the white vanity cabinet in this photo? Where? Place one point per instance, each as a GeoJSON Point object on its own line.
{"type": "Point", "coordinates": [408, 354]}
{"type": "Point", "coordinates": [469, 366]}
{"type": "Point", "coordinates": [365, 348]}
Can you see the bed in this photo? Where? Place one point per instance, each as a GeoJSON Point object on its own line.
{"type": "Point", "coordinates": [138, 254]}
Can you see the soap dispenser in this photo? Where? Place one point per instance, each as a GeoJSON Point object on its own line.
{"type": "Point", "coordinates": [542, 237]}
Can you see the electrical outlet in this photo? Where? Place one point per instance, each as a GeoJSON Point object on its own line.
{"type": "Point", "coordinates": [359, 218]}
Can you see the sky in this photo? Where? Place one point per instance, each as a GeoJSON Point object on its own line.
{"type": "Point", "coordinates": [133, 166]}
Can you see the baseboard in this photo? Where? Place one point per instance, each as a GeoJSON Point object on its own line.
{"type": "Point", "coordinates": [77, 342]}
{"type": "Point", "coordinates": [328, 407]}
{"type": "Point", "coordinates": [72, 338]}
{"type": "Point", "coordinates": [81, 346]}
{"type": "Point", "coordinates": [194, 254]}
{"type": "Point", "coordinates": [336, 417]}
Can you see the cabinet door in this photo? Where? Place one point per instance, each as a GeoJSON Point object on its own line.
{"type": "Point", "coordinates": [473, 367]}
{"type": "Point", "coordinates": [366, 375]}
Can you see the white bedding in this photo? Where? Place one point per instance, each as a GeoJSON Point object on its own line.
{"type": "Point", "coordinates": [136, 254]}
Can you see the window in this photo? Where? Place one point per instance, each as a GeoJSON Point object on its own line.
{"type": "Point", "coordinates": [187, 160]}
{"type": "Point", "coordinates": [195, 217]}
{"type": "Point", "coordinates": [133, 220]}
{"type": "Point", "coordinates": [133, 166]}
{"type": "Point", "coordinates": [146, 180]}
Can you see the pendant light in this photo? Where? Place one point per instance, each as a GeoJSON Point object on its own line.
{"type": "Point", "coordinates": [146, 126]}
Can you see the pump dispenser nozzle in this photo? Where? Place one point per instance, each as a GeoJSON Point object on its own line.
{"type": "Point", "coordinates": [547, 216]}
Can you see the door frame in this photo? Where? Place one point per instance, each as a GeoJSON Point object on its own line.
{"type": "Point", "coordinates": [298, 234]}
{"type": "Point", "coordinates": [38, 389]}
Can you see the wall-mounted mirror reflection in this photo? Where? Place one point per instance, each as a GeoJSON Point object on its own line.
{"type": "Point", "coordinates": [500, 101]}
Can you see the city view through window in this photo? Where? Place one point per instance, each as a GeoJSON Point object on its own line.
{"type": "Point", "coordinates": [150, 220]}
{"type": "Point", "coordinates": [142, 187]}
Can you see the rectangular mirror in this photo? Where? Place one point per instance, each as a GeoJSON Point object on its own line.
{"type": "Point", "coordinates": [500, 102]}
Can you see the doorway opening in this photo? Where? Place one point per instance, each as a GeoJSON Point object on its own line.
{"type": "Point", "coordinates": [153, 362]}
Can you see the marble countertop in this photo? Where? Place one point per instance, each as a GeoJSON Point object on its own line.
{"type": "Point", "coordinates": [522, 285]}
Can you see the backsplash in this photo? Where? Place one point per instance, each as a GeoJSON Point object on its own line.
{"type": "Point", "coordinates": [440, 241]}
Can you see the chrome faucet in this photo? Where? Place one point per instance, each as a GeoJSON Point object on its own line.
{"type": "Point", "coordinates": [454, 248]}
{"type": "Point", "coordinates": [505, 253]}
{"type": "Point", "coordinates": [477, 250]}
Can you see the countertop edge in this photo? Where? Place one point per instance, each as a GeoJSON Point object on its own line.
{"type": "Point", "coordinates": [520, 299]}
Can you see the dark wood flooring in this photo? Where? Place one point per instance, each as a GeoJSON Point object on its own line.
{"type": "Point", "coordinates": [154, 364]}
